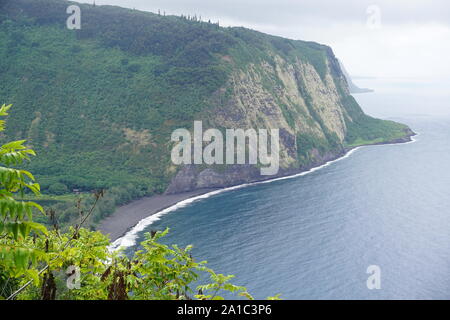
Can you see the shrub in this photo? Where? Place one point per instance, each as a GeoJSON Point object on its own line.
{"type": "Point", "coordinates": [58, 189]}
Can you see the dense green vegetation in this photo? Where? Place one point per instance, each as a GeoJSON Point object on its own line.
{"type": "Point", "coordinates": [98, 104]}
{"type": "Point", "coordinates": [367, 130]}
{"type": "Point", "coordinates": [110, 91]}
{"type": "Point", "coordinates": [41, 263]}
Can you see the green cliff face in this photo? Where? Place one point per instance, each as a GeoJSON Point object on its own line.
{"type": "Point", "coordinates": [106, 98]}
{"type": "Point", "coordinates": [307, 98]}
{"type": "Point", "coordinates": [297, 87]}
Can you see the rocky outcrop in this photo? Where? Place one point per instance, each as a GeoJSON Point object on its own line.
{"type": "Point", "coordinates": [191, 177]}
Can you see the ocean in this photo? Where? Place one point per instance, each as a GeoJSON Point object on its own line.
{"type": "Point", "coordinates": [314, 236]}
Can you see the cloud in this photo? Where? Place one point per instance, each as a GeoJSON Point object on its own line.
{"type": "Point", "coordinates": [295, 11]}
{"type": "Point", "coordinates": [412, 41]}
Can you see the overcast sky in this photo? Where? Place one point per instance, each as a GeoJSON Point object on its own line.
{"type": "Point", "coordinates": [385, 38]}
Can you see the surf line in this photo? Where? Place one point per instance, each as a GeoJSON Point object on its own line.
{"type": "Point", "coordinates": [129, 239]}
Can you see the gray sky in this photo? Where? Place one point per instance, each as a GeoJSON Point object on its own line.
{"type": "Point", "coordinates": [385, 38]}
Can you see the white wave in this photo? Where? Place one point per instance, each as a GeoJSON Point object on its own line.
{"type": "Point", "coordinates": [129, 239]}
{"type": "Point", "coordinates": [413, 139]}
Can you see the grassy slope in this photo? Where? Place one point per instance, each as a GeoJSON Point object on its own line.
{"type": "Point", "coordinates": [98, 104]}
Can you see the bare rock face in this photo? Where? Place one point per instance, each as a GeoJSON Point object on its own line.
{"type": "Point", "coordinates": [192, 178]}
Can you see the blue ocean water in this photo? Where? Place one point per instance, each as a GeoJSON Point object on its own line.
{"type": "Point", "coordinates": [314, 236]}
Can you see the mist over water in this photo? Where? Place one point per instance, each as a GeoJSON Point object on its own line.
{"type": "Point", "coordinates": [313, 237]}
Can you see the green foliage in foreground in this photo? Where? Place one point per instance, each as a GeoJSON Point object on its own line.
{"type": "Point", "coordinates": [36, 263]}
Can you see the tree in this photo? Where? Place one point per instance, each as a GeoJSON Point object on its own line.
{"type": "Point", "coordinates": [16, 222]}
{"type": "Point", "coordinates": [58, 188]}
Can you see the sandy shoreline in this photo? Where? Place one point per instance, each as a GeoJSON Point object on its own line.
{"type": "Point", "coordinates": [129, 215]}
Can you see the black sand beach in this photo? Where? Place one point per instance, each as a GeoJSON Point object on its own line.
{"type": "Point", "coordinates": [127, 216]}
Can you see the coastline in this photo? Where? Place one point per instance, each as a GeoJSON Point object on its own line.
{"type": "Point", "coordinates": [127, 216]}
{"type": "Point", "coordinates": [127, 221]}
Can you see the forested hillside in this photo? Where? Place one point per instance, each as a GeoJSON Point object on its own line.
{"type": "Point", "coordinates": [99, 104]}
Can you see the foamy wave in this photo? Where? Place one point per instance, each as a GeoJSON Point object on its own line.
{"type": "Point", "coordinates": [129, 239]}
